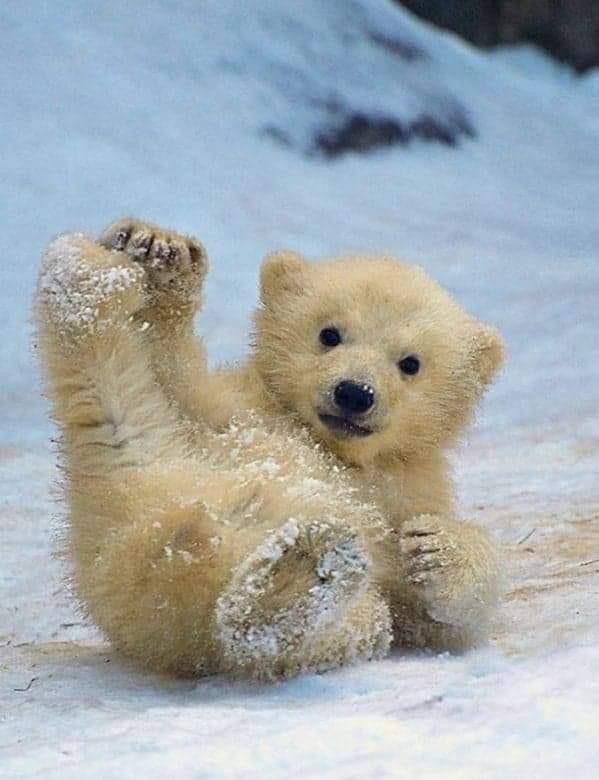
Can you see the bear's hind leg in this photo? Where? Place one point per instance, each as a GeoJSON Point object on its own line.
{"type": "Point", "coordinates": [141, 540]}
{"type": "Point", "coordinates": [286, 608]}
{"type": "Point", "coordinates": [152, 584]}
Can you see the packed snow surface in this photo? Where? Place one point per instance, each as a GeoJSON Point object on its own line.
{"type": "Point", "coordinates": [201, 116]}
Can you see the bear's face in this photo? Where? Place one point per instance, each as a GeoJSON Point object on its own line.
{"type": "Point", "coordinates": [371, 354]}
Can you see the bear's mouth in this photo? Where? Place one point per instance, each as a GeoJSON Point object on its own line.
{"type": "Point", "coordinates": [343, 427]}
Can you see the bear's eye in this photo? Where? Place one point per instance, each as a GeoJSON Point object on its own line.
{"type": "Point", "coordinates": [409, 365]}
{"type": "Point", "coordinates": [329, 337]}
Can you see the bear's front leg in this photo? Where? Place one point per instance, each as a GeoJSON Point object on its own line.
{"type": "Point", "coordinates": [174, 268]}
{"type": "Point", "coordinates": [453, 569]}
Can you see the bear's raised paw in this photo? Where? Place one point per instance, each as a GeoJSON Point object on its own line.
{"type": "Point", "coordinates": [174, 264]}
{"type": "Point", "coordinates": [83, 290]}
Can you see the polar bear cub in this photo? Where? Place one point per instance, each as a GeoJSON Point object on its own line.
{"type": "Point", "coordinates": [290, 514]}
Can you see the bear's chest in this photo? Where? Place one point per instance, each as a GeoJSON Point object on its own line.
{"type": "Point", "coordinates": [401, 494]}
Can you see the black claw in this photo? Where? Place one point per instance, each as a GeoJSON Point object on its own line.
{"type": "Point", "coordinates": [162, 251]}
{"type": "Point", "coordinates": [142, 246]}
{"type": "Point", "coordinates": [171, 257]}
{"type": "Point", "coordinates": [426, 550]}
{"type": "Point", "coordinates": [196, 256]}
{"type": "Point", "coordinates": [121, 239]}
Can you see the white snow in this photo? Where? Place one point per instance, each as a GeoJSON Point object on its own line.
{"type": "Point", "coordinates": [61, 262]}
{"type": "Point", "coordinates": [161, 109]}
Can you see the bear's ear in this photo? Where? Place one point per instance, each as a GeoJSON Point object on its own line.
{"type": "Point", "coordinates": [488, 353]}
{"type": "Point", "coordinates": [281, 272]}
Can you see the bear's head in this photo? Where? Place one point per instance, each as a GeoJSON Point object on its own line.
{"type": "Point", "coordinates": [370, 353]}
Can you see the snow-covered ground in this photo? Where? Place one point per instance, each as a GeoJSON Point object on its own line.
{"type": "Point", "coordinates": [200, 116]}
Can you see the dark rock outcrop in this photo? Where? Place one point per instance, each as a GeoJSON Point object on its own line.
{"type": "Point", "coordinates": [567, 29]}
{"type": "Point", "coordinates": [359, 132]}
{"type": "Point", "coordinates": [371, 83]}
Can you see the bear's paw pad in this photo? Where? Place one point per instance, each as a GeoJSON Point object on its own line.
{"type": "Point", "coordinates": [288, 590]}
{"type": "Point", "coordinates": [172, 262]}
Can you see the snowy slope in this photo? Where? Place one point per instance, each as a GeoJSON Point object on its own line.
{"type": "Point", "coordinates": [201, 115]}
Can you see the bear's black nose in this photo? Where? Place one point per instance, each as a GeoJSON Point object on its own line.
{"type": "Point", "coordinates": [353, 398]}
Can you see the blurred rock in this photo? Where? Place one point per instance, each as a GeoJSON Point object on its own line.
{"type": "Point", "coordinates": [358, 132]}
{"type": "Point", "coordinates": [567, 29]}
{"type": "Point", "coordinates": [475, 20]}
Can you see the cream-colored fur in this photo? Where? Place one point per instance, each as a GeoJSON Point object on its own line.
{"type": "Point", "coordinates": [216, 523]}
